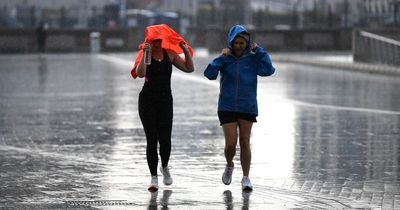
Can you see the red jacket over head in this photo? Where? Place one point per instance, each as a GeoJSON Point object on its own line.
{"type": "Point", "coordinates": [170, 42]}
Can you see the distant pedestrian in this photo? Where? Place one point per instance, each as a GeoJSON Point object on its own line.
{"type": "Point", "coordinates": [239, 65]}
{"type": "Point", "coordinates": [155, 99]}
{"type": "Point", "coordinates": [41, 36]}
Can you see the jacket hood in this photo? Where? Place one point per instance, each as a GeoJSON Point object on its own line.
{"type": "Point", "coordinates": [234, 32]}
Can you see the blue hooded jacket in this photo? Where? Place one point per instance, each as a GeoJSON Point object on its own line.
{"type": "Point", "coordinates": [238, 82]}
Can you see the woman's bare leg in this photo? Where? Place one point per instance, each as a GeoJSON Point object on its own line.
{"type": "Point", "coordinates": [230, 132]}
{"type": "Point", "coordinates": [244, 141]}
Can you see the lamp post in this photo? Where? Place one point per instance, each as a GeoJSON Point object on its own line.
{"type": "Point", "coordinates": [346, 13]}
{"type": "Point", "coordinates": [396, 5]}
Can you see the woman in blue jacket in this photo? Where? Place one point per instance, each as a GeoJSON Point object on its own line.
{"type": "Point", "coordinates": [238, 65]}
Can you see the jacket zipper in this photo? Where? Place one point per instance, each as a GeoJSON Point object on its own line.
{"type": "Point", "coordinates": [237, 85]}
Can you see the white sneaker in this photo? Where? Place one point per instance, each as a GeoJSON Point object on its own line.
{"type": "Point", "coordinates": [153, 184]}
{"type": "Point", "coordinates": [227, 175]}
{"type": "Point", "coordinates": [167, 176]}
{"type": "Point", "coordinates": [246, 184]}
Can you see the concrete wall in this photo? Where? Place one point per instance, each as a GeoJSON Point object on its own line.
{"type": "Point", "coordinates": [287, 40]}
{"type": "Point", "coordinates": [24, 41]}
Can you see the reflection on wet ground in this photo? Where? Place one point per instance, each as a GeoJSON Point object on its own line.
{"type": "Point", "coordinates": [351, 130]}
{"type": "Point", "coordinates": [70, 135]}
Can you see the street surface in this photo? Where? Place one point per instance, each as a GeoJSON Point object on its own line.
{"type": "Point", "coordinates": [71, 138]}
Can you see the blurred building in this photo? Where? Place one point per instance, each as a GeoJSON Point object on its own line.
{"type": "Point", "coordinates": [60, 13]}
{"type": "Point", "coordinates": [279, 14]}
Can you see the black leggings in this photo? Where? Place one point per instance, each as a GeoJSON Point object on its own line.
{"type": "Point", "coordinates": [156, 113]}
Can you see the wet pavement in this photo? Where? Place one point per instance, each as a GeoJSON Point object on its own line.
{"type": "Point", "coordinates": [71, 138]}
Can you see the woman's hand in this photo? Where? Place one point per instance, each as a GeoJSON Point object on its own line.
{"type": "Point", "coordinates": [253, 45]}
{"type": "Point", "coordinates": [142, 68]}
{"type": "Point", "coordinates": [225, 52]}
{"type": "Point", "coordinates": [183, 46]}
{"type": "Point", "coordinates": [146, 46]}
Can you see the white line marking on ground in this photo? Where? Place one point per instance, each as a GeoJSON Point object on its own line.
{"type": "Point", "coordinates": [345, 108]}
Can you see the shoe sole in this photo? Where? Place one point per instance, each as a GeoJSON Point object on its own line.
{"type": "Point", "coordinates": [152, 188]}
{"type": "Point", "coordinates": [247, 189]}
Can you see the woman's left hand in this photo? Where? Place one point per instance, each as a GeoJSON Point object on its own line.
{"type": "Point", "coordinates": [253, 45]}
{"type": "Point", "coordinates": [183, 46]}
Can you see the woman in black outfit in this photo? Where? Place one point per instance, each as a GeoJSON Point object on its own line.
{"type": "Point", "coordinates": [155, 103]}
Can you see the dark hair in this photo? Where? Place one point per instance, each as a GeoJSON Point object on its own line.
{"type": "Point", "coordinates": [245, 36]}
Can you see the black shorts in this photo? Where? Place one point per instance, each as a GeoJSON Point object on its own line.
{"type": "Point", "coordinates": [228, 117]}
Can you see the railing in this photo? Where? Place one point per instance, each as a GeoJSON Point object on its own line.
{"type": "Point", "coordinates": [372, 48]}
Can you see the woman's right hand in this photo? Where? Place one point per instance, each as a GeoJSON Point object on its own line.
{"type": "Point", "coordinates": [146, 46]}
{"type": "Point", "coordinates": [225, 52]}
